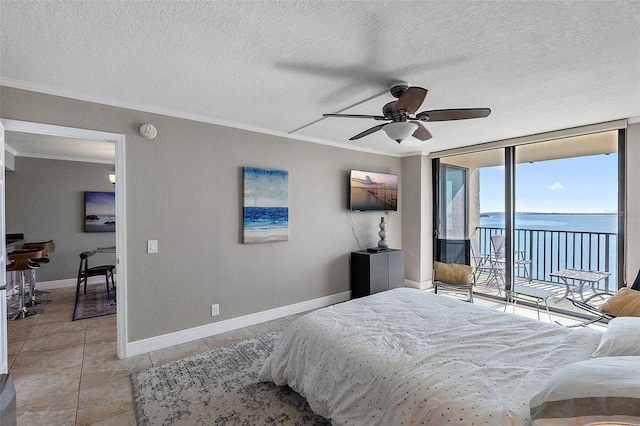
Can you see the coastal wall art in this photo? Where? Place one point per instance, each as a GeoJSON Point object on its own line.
{"type": "Point", "coordinates": [266, 205]}
{"type": "Point", "coordinates": [99, 211]}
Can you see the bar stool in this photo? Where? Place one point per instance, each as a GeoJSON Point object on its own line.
{"type": "Point", "coordinates": [46, 247]}
{"type": "Point", "coordinates": [21, 261]}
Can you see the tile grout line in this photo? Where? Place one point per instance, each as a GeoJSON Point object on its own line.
{"type": "Point", "coordinates": [84, 348]}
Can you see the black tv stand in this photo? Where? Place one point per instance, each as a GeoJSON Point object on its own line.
{"type": "Point", "coordinates": [375, 272]}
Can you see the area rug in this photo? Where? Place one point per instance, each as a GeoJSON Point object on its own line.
{"type": "Point", "coordinates": [219, 387]}
{"type": "Point", "coordinates": [95, 303]}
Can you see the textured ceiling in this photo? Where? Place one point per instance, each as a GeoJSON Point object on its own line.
{"type": "Point", "coordinates": [278, 66]}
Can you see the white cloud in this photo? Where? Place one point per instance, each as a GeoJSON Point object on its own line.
{"type": "Point", "coordinates": [556, 186]}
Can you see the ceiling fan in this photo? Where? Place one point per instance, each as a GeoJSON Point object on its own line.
{"type": "Point", "coordinates": [402, 117]}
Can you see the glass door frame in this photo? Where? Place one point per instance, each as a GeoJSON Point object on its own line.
{"type": "Point", "coordinates": [445, 248]}
{"type": "Point", "coordinates": [509, 207]}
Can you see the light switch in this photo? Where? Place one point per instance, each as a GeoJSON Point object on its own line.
{"type": "Point", "coordinates": [152, 246]}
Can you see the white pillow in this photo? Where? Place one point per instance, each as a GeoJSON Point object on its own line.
{"type": "Point", "coordinates": [622, 337]}
{"type": "Point", "coordinates": [596, 390]}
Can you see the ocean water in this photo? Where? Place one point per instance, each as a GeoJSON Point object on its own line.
{"type": "Point", "coordinates": [266, 218]}
{"type": "Point", "coordinates": [554, 241]}
{"type": "Point", "coordinates": [104, 223]}
{"type": "Point", "coordinates": [265, 224]}
{"type": "Point", "coordinates": [576, 222]}
{"type": "Point", "coordinates": [373, 199]}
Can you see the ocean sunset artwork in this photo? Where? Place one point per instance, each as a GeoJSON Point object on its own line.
{"type": "Point", "coordinates": [373, 191]}
{"type": "Point", "coordinates": [266, 205]}
{"type": "Point", "coordinates": [100, 211]}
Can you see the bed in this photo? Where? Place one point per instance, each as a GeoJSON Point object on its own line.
{"type": "Point", "coordinates": [407, 356]}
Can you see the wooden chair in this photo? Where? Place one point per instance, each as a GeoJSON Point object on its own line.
{"type": "Point", "coordinates": [85, 272]}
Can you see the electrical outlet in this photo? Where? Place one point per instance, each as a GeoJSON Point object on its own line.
{"type": "Point", "coordinates": [215, 310]}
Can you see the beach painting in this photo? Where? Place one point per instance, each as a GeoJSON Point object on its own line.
{"type": "Point", "coordinates": [99, 212]}
{"type": "Point", "coordinates": [266, 205]}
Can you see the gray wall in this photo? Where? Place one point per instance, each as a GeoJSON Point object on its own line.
{"type": "Point", "coordinates": [45, 200]}
{"type": "Point", "coordinates": [632, 241]}
{"type": "Point", "coordinates": [417, 220]}
{"type": "Point", "coordinates": [184, 189]}
{"type": "Point", "coordinates": [417, 231]}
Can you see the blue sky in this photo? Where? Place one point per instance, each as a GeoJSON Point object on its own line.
{"type": "Point", "coordinates": [573, 185]}
{"type": "Point", "coordinates": [100, 203]}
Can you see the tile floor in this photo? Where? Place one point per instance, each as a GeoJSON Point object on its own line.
{"type": "Point", "coordinates": [67, 373]}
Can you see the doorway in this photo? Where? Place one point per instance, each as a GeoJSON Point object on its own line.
{"type": "Point", "coordinates": [120, 189]}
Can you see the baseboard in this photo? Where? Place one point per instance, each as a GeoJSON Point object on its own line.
{"type": "Point", "coordinates": [50, 285]}
{"type": "Point", "coordinates": [424, 285]}
{"type": "Point", "coordinates": [69, 282]}
{"type": "Point", "coordinates": [171, 339]}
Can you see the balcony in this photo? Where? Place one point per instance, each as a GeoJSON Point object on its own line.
{"type": "Point", "coordinates": [553, 250]}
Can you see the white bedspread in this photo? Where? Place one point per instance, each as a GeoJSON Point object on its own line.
{"type": "Point", "coordinates": [408, 357]}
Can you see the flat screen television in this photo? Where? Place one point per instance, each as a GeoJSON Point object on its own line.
{"type": "Point", "coordinates": [371, 191]}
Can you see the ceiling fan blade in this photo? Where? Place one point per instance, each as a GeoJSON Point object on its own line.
{"type": "Point", "coordinates": [421, 132]}
{"type": "Point", "coordinates": [368, 132]}
{"type": "Point", "coordinates": [453, 114]}
{"type": "Point", "coordinates": [411, 99]}
{"type": "Point", "coordinates": [375, 117]}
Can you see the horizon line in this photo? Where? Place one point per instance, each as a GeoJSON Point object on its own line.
{"type": "Point", "coordinates": [502, 213]}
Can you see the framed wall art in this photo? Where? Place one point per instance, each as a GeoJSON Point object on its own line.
{"type": "Point", "coordinates": [99, 211]}
{"type": "Point", "coordinates": [266, 205]}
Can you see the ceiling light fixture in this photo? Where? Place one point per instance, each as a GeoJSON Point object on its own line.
{"type": "Point", "coordinates": [400, 131]}
{"type": "Point", "coordinates": [112, 179]}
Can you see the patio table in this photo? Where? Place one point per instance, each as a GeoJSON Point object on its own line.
{"type": "Point", "coordinates": [583, 277]}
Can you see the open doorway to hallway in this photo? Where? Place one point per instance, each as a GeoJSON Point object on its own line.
{"type": "Point", "coordinates": [86, 149]}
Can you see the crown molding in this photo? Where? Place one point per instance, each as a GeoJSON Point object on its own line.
{"type": "Point", "coordinates": [10, 150]}
{"type": "Point", "coordinates": [24, 85]}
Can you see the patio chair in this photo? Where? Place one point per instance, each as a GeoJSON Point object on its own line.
{"type": "Point", "coordinates": [453, 277]}
{"type": "Point", "coordinates": [519, 262]}
{"type": "Point", "coordinates": [624, 303]}
{"type": "Point", "coordinates": [485, 263]}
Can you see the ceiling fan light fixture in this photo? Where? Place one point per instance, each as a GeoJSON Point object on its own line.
{"type": "Point", "coordinates": [400, 131]}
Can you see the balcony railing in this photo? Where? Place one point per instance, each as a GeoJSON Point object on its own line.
{"type": "Point", "coordinates": [551, 251]}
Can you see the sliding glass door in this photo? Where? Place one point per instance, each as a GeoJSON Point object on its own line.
{"type": "Point", "coordinates": [451, 243]}
{"type": "Point", "coordinates": [470, 207]}
{"type": "Point", "coordinates": [566, 207]}
{"type": "Point", "coordinates": [538, 209]}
